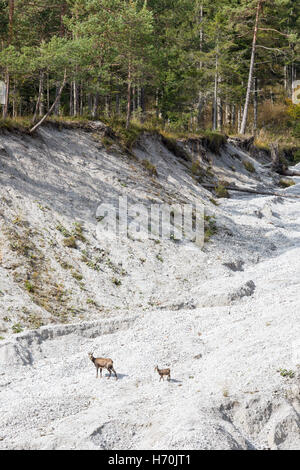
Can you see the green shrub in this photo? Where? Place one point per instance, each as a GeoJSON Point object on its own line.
{"type": "Point", "coordinates": [63, 230]}
{"type": "Point", "coordinates": [29, 287]}
{"type": "Point", "coordinates": [221, 191]}
{"type": "Point", "coordinates": [286, 183]}
{"type": "Point", "coordinates": [70, 242]}
{"type": "Point", "coordinates": [17, 328]}
{"type": "Point", "coordinates": [171, 144]}
{"type": "Point", "coordinates": [78, 232]}
{"type": "Point", "coordinates": [76, 275]}
{"type": "Point", "coordinates": [287, 373]}
{"type": "Point", "coordinates": [126, 137]}
{"type": "Point", "coordinates": [214, 141]}
{"type": "Point", "coordinates": [296, 130]}
{"type": "Point", "coordinates": [210, 227]}
{"type": "Point", "coordinates": [107, 142]}
{"type": "Point", "coordinates": [297, 157]}
{"type": "Point", "coordinates": [249, 166]}
{"type": "Point", "coordinates": [150, 167]}
{"type": "Point", "coordinates": [213, 201]}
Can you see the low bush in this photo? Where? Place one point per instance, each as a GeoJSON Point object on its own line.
{"type": "Point", "coordinates": [221, 191]}
{"type": "Point", "coordinates": [286, 183]}
{"type": "Point", "coordinates": [249, 166]}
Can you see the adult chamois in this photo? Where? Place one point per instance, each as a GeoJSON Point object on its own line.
{"type": "Point", "coordinates": [163, 373]}
{"type": "Point", "coordinates": [103, 363]}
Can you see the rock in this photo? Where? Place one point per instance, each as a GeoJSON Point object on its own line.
{"type": "Point", "coordinates": [235, 265]}
{"type": "Point", "coordinates": [244, 291]}
{"type": "Point", "coordinates": [285, 434]}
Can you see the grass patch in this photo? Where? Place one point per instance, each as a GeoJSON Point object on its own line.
{"type": "Point", "coordinates": [107, 142]}
{"type": "Point", "coordinates": [297, 157]}
{"type": "Point", "coordinates": [17, 328]}
{"type": "Point", "coordinates": [21, 124]}
{"type": "Point", "coordinates": [210, 227]}
{"type": "Point", "coordinates": [171, 144]}
{"type": "Point", "coordinates": [221, 191]}
{"type": "Point", "coordinates": [91, 302]}
{"type": "Point", "coordinates": [287, 373]}
{"type": "Point", "coordinates": [63, 230]}
{"type": "Point", "coordinates": [214, 141]}
{"type": "Point", "coordinates": [78, 232]}
{"type": "Point", "coordinates": [116, 281]}
{"type": "Point", "coordinates": [29, 286]}
{"type": "Point", "coordinates": [35, 275]}
{"type": "Point", "coordinates": [151, 169]}
{"type": "Point", "coordinates": [213, 201]}
{"type": "Point", "coordinates": [283, 183]}
{"type": "Point", "coordinates": [196, 168]}
{"type": "Point", "coordinates": [76, 275]}
{"type": "Point", "coordinates": [90, 262]}
{"type": "Point", "coordinates": [127, 138]}
{"type": "Point", "coordinates": [249, 166]}
{"type": "Point", "coordinates": [70, 242]}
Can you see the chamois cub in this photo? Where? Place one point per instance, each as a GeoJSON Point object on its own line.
{"type": "Point", "coordinates": [103, 363]}
{"type": "Point", "coordinates": [163, 372]}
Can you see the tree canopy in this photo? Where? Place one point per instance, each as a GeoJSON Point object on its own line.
{"type": "Point", "coordinates": [185, 63]}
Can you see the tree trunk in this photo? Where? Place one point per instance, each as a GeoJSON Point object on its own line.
{"type": "Point", "coordinates": [41, 95]}
{"type": "Point", "coordinates": [75, 99]}
{"type": "Point", "coordinates": [57, 100]}
{"type": "Point", "coordinates": [285, 74]}
{"type": "Point", "coordinates": [71, 108]}
{"type": "Point", "coordinates": [95, 105]}
{"type": "Point", "coordinates": [251, 69]}
{"type": "Point", "coordinates": [128, 98]}
{"type": "Point", "coordinates": [200, 95]}
{"type": "Point", "coordinates": [233, 116]}
{"type": "Point", "coordinates": [11, 10]}
{"type": "Point", "coordinates": [157, 103]}
{"type": "Point", "coordinates": [118, 99]}
{"type": "Point", "coordinates": [39, 105]}
{"type": "Point", "coordinates": [14, 113]}
{"type": "Point", "coordinates": [143, 107]}
{"type": "Point", "coordinates": [215, 102]}
{"type": "Point", "coordinates": [255, 106]}
{"type": "Point", "coordinates": [48, 93]}
{"type": "Point", "coordinates": [81, 99]}
{"type": "Point", "coordinates": [6, 104]}
{"type": "Point", "coordinates": [252, 191]}
{"type": "Point", "coordinates": [53, 105]}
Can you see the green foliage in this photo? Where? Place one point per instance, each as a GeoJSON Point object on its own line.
{"type": "Point", "coordinates": [249, 166]}
{"type": "Point", "coordinates": [213, 201]}
{"type": "Point", "coordinates": [29, 286]}
{"type": "Point", "coordinates": [170, 61]}
{"type": "Point", "coordinates": [221, 191]}
{"type": "Point", "coordinates": [17, 328]}
{"type": "Point", "coordinates": [297, 157]}
{"type": "Point", "coordinates": [210, 227]}
{"type": "Point", "coordinates": [287, 373]}
{"type": "Point", "coordinates": [70, 242]}
{"type": "Point", "coordinates": [149, 167]}
{"type": "Point", "coordinates": [116, 281]}
{"type": "Point", "coordinates": [76, 275]}
{"type": "Point", "coordinates": [214, 141]}
{"type": "Point", "coordinates": [283, 183]}
{"type": "Point", "coordinates": [63, 230]}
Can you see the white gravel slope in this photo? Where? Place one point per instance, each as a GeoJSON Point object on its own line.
{"type": "Point", "coordinates": [224, 332]}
